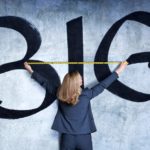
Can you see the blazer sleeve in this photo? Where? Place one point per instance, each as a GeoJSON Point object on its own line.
{"type": "Point", "coordinates": [99, 88]}
{"type": "Point", "coordinates": [42, 81]}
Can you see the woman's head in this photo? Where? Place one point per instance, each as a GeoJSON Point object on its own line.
{"type": "Point", "coordinates": [70, 89]}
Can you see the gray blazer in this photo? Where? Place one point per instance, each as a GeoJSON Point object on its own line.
{"type": "Point", "coordinates": [77, 119]}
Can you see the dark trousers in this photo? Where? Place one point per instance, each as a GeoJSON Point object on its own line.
{"type": "Point", "coordinates": [76, 142]}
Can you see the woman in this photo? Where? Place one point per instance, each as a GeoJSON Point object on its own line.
{"type": "Point", "coordinates": [74, 118]}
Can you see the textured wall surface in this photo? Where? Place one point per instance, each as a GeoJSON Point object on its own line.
{"type": "Point", "coordinates": [121, 124]}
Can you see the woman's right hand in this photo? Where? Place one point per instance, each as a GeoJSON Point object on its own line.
{"type": "Point", "coordinates": [28, 67]}
{"type": "Point", "coordinates": [121, 67]}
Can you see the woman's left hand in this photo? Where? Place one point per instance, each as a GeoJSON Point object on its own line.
{"type": "Point", "coordinates": [28, 67]}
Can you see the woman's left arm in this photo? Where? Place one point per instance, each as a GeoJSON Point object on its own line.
{"type": "Point", "coordinates": [42, 81]}
{"type": "Point", "coordinates": [39, 78]}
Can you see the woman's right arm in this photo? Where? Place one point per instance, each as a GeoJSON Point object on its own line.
{"type": "Point", "coordinates": [99, 88]}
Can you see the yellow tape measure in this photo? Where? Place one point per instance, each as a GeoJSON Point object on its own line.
{"type": "Point", "coordinates": [65, 62]}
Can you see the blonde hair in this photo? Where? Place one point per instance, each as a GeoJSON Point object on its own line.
{"type": "Point", "coordinates": [70, 89]}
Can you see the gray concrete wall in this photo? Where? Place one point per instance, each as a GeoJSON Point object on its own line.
{"type": "Point", "coordinates": [121, 124]}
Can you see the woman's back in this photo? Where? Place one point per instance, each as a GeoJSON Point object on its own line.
{"type": "Point", "coordinates": [75, 119]}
